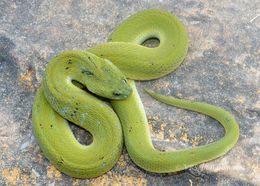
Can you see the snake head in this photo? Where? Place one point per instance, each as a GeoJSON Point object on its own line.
{"type": "Point", "coordinates": [104, 79]}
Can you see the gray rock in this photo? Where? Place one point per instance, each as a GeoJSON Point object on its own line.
{"type": "Point", "coordinates": [222, 68]}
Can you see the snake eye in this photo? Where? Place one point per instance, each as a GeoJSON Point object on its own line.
{"type": "Point", "coordinates": [124, 80]}
{"type": "Point", "coordinates": [86, 72]}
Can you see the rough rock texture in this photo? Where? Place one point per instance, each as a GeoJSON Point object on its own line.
{"type": "Point", "coordinates": [222, 68]}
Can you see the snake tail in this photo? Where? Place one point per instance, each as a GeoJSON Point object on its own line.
{"type": "Point", "coordinates": [138, 141]}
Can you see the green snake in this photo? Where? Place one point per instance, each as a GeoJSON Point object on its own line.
{"type": "Point", "coordinates": [75, 81]}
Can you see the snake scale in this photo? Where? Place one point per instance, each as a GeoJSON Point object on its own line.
{"type": "Point", "coordinates": [75, 80]}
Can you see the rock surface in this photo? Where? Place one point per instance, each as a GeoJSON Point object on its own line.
{"type": "Point", "coordinates": [222, 68]}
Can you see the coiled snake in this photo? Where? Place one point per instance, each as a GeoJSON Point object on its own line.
{"type": "Point", "coordinates": [103, 70]}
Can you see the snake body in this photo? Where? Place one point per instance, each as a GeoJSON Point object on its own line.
{"type": "Point", "coordinates": [61, 97]}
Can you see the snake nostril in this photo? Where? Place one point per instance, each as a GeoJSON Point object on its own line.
{"type": "Point", "coordinates": [116, 93]}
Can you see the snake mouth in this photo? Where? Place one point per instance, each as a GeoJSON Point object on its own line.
{"type": "Point", "coordinates": [89, 91]}
{"type": "Point", "coordinates": [116, 94]}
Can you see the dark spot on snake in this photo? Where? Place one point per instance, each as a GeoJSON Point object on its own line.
{"type": "Point", "coordinates": [77, 103]}
{"type": "Point", "coordinates": [75, 111]}
{"type": "Point", "coordinates": [67, 68]}
{"type": "Point", "coordinates": [40, 124]}
{"type": "Point", "coordinates": [72, 115]}
{"type": "Point", "coordinates": [77, 108]}
{"type": "Point", "coordinates": [69, 61]}
{"type": "Point", "coordinates": [116, 93]}
{"type": "Point", "coordinates": [101, 55]}
{"type": "Point", "coordinates": [61, 161]}
{"type": "Point", "coordinates": [86, 72]}
{"type": "Point", "coordinates": [102, 158]}
{"type": "Point", "coordinates": [51, 126]}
